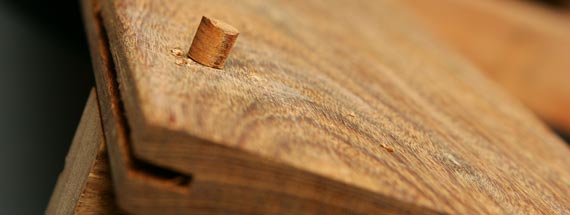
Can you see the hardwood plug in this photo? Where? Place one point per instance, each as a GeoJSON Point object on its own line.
{"type": "Point", "coordinates": [212, 43]}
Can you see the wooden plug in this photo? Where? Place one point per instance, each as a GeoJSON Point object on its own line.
{"type": "Point", "coordinates": [212, 43]}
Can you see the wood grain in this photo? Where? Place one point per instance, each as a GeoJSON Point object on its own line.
{"type": "Point", "coordinates": [520, 45]}
{"type": "Point", "coordinates": [84, 186]}
{"type": "Point", "coordinates": [143, 192]}
{"type": "Point", "coordinates": [213, 42]}
{"type": "Point", "coordinates": [323, 107]}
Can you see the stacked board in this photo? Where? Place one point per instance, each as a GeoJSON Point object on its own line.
{"type": "Point", "coordinates": [323, 107]}
{"type": "Point", "coordinates": [521, 46]}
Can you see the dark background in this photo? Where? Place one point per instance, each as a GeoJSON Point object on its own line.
{"type": "Point", "coordinates": [45, 78]}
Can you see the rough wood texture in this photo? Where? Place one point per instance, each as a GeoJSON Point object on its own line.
{"type": "Point", "coordinates": [323, 107]}
{"type": "Point", "coordinates": [98, 196]}
{"type": "Point", "coordinates": [522, 46]}
{"type": "Point", "coordinates": [146, 192]}
{"type": "Point", "coordinates": [84, 186]}
{"type": "Point", "coordinates": [213, 42]}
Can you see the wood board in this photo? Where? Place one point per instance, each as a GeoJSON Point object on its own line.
{"type": "Point", "coordinates": [85, 186]}
{"type": "Point", "coordinates": [323, 107]}
{"type": "Point", "coordinates": [518, 44]}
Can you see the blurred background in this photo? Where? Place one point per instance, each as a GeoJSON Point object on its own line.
{"type": "Point", "coordinates": [45, 78]}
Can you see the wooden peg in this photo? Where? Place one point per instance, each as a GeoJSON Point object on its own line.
{"type": "Point", "coordinates": [212, 43]}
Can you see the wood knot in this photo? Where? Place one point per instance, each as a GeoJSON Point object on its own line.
{"type": "Point", "coordinates": [212, 43]}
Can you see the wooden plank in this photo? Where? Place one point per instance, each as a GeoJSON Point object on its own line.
{"type": "Point", "coordinates": [520, 45]}
{"type": "Point", "coordinates": [134, 182]}
{"type": "Point", "coordinates": [84, 186]}
{"type": "Point", "coordinates": [323, 107]}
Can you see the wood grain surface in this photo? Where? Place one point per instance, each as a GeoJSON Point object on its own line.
{"type": "Point", "coordinates": [323, 107]}
{"type": "Point", "coordinates": [84, 186]}
{"type": "Point", "coordinates": [522, 46]}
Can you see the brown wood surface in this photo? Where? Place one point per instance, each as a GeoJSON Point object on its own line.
{"type": "Point", "coordinates": [323, 107]}
{"type": "Point", "coordinates": [522, 46]}
{"type": "Point", "coordinates": [84, 186]}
